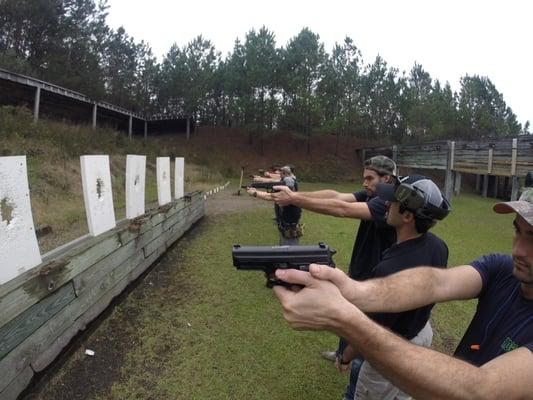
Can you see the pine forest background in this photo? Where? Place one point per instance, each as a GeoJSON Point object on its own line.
{"type": "Point", "coordinates": [259, 86]}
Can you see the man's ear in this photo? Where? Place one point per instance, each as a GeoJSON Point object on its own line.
{"type": "Point", "coordinates": [385, 179]}
{"type": "Point", "coordinates": [408, 216]}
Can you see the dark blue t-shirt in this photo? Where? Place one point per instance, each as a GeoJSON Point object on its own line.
{"type": "Point", "coordinates": [373, 237]}
{"type": "Point", "coordinates": [503, 319]}
{"type": "Point", "coordinates": [426, 249]}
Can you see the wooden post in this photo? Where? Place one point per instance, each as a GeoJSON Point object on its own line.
{"type": "Point", "coordinates": [145, 130]}
{"type": "Point", "coordinates": [485, 185]}
{"type": "Point", "coordinates": [489, 164]}
{"type": "Point", "coordinates": [515, 181]}
{"type": "Point", "coordinates": [457, 185]}
{"type": "Point", "coordinates": [130, 127]}
{"type": "Point", "coordinates": [95, 108]}
{"type": "Point", "coordinates": [495, 188]}
{"type": "Point", "coordinates": [513, 157]}
{"type": "Point", "coordinates": [515, 186]}
{"type": "Point", "coordinates": [448, 182]}
{"type": "Point", "coordinates": [188, 128]}
{"type": "Point", "coordinates": [36, 104]}
{"type": "Point", "coordinates": [478, 183]}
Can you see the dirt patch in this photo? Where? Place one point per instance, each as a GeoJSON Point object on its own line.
{"type": "Point", "coordinates": [227, 201]}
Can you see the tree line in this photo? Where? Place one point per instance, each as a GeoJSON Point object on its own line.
{"type": "Point", "coordinates": [259, 86]}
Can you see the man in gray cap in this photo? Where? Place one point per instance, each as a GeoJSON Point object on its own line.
{"type": "Point", "coordinates": [494, 360]}
{"type": "Point", "coordinates": [373, 235]}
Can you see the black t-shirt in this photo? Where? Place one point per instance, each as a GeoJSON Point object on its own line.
{"type": "Point", "coordinates": [373, 237]}
{"type": "Point", "coordinates": [290, 214]}
{"type": "Point", "coordinates": [427, 250]}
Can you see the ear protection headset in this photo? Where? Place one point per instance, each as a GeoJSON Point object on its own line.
{"type": "Point", "coordinates": [412, 199]}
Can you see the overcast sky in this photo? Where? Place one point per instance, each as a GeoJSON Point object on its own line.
{"type": "Point", "coordinates": [449, 38]}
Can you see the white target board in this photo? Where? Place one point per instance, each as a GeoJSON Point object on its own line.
{"type": "Point", "coordinates": [135, 185]}
{"type": "Point", "coordinates": [19, 250]}
{"type": "Point", "coordinates": [97, 193]}
{"type": "Point", "coordinates": [163, 180]}
{"type": "Point", "coordinates": [178, 176]}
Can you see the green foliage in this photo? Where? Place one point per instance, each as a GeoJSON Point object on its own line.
{"type": "Point", "coordinates": [259, 86]}
{"type": "Point", "coordinates": [483, 112]}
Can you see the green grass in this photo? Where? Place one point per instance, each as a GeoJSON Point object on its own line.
{"type": "Point", "coordinates": [219, 333]}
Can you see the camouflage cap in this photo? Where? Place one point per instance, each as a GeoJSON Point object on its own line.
{"type": "Point", "coordinates": [381, 164]}
{"type": "Point", "coordinates": [523, 207]}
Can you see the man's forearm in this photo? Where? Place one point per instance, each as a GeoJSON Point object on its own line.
{"type": "Point", "coordinates": [321, 194]}
{"type": "Point", "coordinates": [421, 372]}
{"type": "Point", "coordinates": [330, 194]}
{"type": "Point", "coordinates": [415, 287]}
{"type": "Point", "coordinates": [333, 207]}
{"type": "Point", "coordinates": [399, 292]}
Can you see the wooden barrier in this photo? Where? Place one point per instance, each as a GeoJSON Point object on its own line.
{"type": "Point", "coordinates": [45, 306]}
{"type": "Point", "coordinates": [507, 157]}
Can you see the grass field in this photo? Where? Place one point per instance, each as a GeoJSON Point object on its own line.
{"type": "Point", "coordinates": [199, 329]}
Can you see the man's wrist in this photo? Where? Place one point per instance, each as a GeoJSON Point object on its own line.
{"type": "Point", "coordinates": [343, 317]}
{"type": "Point", "coordinates": [342, 361]}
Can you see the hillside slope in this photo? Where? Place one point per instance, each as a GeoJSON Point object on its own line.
{"type": "Point", "coordinates": [212, 157]}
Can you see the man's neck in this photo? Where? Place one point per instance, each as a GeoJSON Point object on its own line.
{"type": "Point", "coordinates": [527, 291]}
{"type": "Point", "coordinates": [406, 232]}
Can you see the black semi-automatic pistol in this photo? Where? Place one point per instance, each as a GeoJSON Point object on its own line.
{"type": "Point", "coordinates": [271, 258]}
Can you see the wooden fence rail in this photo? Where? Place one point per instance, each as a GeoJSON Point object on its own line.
{"type": "Point", "coordinates": [510, 158]}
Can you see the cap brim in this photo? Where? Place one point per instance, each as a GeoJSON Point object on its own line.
{"type": "Point", "coordinates": [385, 191]}
{"type": "Point", "coordinates": [522, 208]}
{"type": "Point", "coordinates": [509, 207]}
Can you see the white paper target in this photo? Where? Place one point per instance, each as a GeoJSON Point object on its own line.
{"type": "Point", "coordinates": [179, 175]}
{"type": "Point", "coordinates": [19, 250]}
{"type": "Point", "coordinates": [97, 193]}
{"type": "Point", "coordinates": [163, 180]}
{"type": "Point", "coordinates": [135, 185]}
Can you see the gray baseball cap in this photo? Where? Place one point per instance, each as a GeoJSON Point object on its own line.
{"type": "Point", "coordinates": [381, 164]}
{"type": "Point", "coordinates": [523, 206]}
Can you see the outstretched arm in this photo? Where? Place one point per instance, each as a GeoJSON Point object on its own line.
{"type": "Point", "coordinates": [329, 194]}
{"type": "Point", "coordinates": [259, 194]}
{"type": "Point", "coordinates": [405, 290]}
{"type": "Point", "coordinates": [328, 206]}
{"type": "Point", "coordinates": [263, 179]}
{"type": "Point", "coordinates": [419, 371]}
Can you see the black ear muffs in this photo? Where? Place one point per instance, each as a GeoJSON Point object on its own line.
{"type": "Point", "coordinates": [412, 199]}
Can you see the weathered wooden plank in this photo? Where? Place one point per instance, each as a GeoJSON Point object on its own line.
{"type": "Point", "coordinates": [175, 218]}
{"type": "Point", "coordinates": [457, 184]}
{"type": "Point", "coordinates": [514, 189]}
{"type": "Point", "coordinates": [19, 328]}
{"type": "Point", "coordinates": [154, 244]}
{"type": "Point", "coordinates": [146, 263]}
{"type": "Point", "coordinates": [91, 276]}
{"type": "Point", "coordinates": [135, 228]}
{"type": "Point", "coordinates": [84, 309]}
{"type": "Point", "coordinates": [46, 278]}
{"type": "Point", "coordinates": [47, 341]}
{"type": "Point", "coordinates": [17, 385]}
